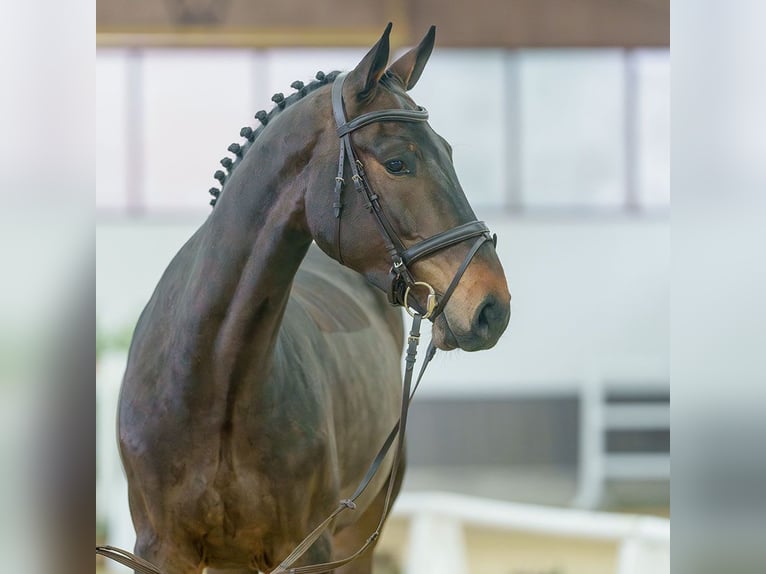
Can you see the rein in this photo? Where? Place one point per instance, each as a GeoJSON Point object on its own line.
{"type": "Point", "coordinates": [397, 432]}
{"type": "Point", "coordinates": [402, 282]}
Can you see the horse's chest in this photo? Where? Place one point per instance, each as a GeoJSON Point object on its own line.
{"type": "Point", "coordinates": [273, 468]}
{"type": "Point", "coordinates": [260, 507]}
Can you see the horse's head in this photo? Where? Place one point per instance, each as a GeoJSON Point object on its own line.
{"type": "Point", "coordinates": [403, 191]}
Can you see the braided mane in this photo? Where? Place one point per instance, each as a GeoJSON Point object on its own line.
{"type": "Point", "coordinates": [281, 102]}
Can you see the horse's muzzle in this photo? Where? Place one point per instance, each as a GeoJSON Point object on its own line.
{"type": "Point", "coordinates": [489, 322]}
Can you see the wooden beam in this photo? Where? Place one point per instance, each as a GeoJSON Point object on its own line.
{"type": "Point", "coordinates": [478, 23]}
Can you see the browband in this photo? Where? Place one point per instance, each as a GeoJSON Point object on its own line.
{"type": "Point", "coordinates": [346, 127]}
{"type": "Point", "coordinates": [419, 115]}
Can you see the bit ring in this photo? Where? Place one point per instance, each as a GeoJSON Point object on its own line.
{"type": "Point", "coordinates": [430, 300]}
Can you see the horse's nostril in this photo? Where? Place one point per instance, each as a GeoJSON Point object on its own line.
{"type": "Point", "coordinates": [489, 322]}
{"type": "Point", "coordinates": [486, 315]}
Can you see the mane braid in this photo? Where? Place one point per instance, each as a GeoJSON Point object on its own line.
{"type": "Point", "coordinates": [250, 135]}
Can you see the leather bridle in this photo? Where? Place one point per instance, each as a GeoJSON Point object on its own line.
{"type": "Point", "coordinates": [402, 280]}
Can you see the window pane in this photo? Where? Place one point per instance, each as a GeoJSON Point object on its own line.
{"type": "Point", "coordinates": [194, 104]}
{"type": "Point", "coordinates": [572, 135]}
{"type": "Point", "coordinates": [463, 91]}
{"type": "Point", "coordinates": [653, 69]}
{"type": "Point", "coordinates": [111, 120]}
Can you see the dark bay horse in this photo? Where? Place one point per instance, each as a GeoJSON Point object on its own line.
{"type": "Point", "coordinates": [263, 375]}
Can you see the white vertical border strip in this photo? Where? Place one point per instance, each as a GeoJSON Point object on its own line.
{"type": "Point", "coordinates": [514, 194]}
{"type": "Point", "coordinates": [135, 201]}
{"type": "Point", "coordinates": [631, 130]}
{"type": "Point", "coordinates": [259, 81]}
{"type": "Point", "coordinates": [111, 484]}
{"type": "Point", "coordinates": [590, 466]}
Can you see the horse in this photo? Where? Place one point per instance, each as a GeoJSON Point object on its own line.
{"type": "Point", "coordinates": [265, 369]}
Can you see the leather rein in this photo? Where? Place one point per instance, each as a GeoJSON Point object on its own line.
{"type": "Point", "coordinates": [402, 282]}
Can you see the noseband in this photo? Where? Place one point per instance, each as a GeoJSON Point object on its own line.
{"type": "Point", "coordinates": [402, 280]}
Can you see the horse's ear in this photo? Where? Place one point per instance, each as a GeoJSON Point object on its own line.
{"type": "Point", "coordinates": [364, 78]}
{"type": "Point", "coordinates": [409, 67]}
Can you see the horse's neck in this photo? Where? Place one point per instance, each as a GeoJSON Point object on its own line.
{"type": "Point", "coordinates": [248, 253]}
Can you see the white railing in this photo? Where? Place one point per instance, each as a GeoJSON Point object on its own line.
{"type": "Point", "coordinates": [598, 417]}
{"type": "Point", "coordinates": [437, 523]}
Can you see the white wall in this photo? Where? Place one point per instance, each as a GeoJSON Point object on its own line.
{"type": "Point", "coordinates": [589, 295]}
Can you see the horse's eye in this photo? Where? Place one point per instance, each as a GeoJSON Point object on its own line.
{"type": "Point", "coordinates": [395, 166]}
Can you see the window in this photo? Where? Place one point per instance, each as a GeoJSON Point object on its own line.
{"type": "Point", "coordinates": [571, 137]}
{"type": "Point", "coordinates": [653, 127]}
{"type": "Point", "coordinates": [463, 91]}
{"type": "Point", "coordinates": [111, 135]}
{"type": "Point", "coordinates": [534, 129]}
{"type": "Point", "coordinates": [193, 105]}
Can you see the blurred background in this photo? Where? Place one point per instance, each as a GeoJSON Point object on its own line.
{"type": "Point", "coordinates": [547, 454]}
